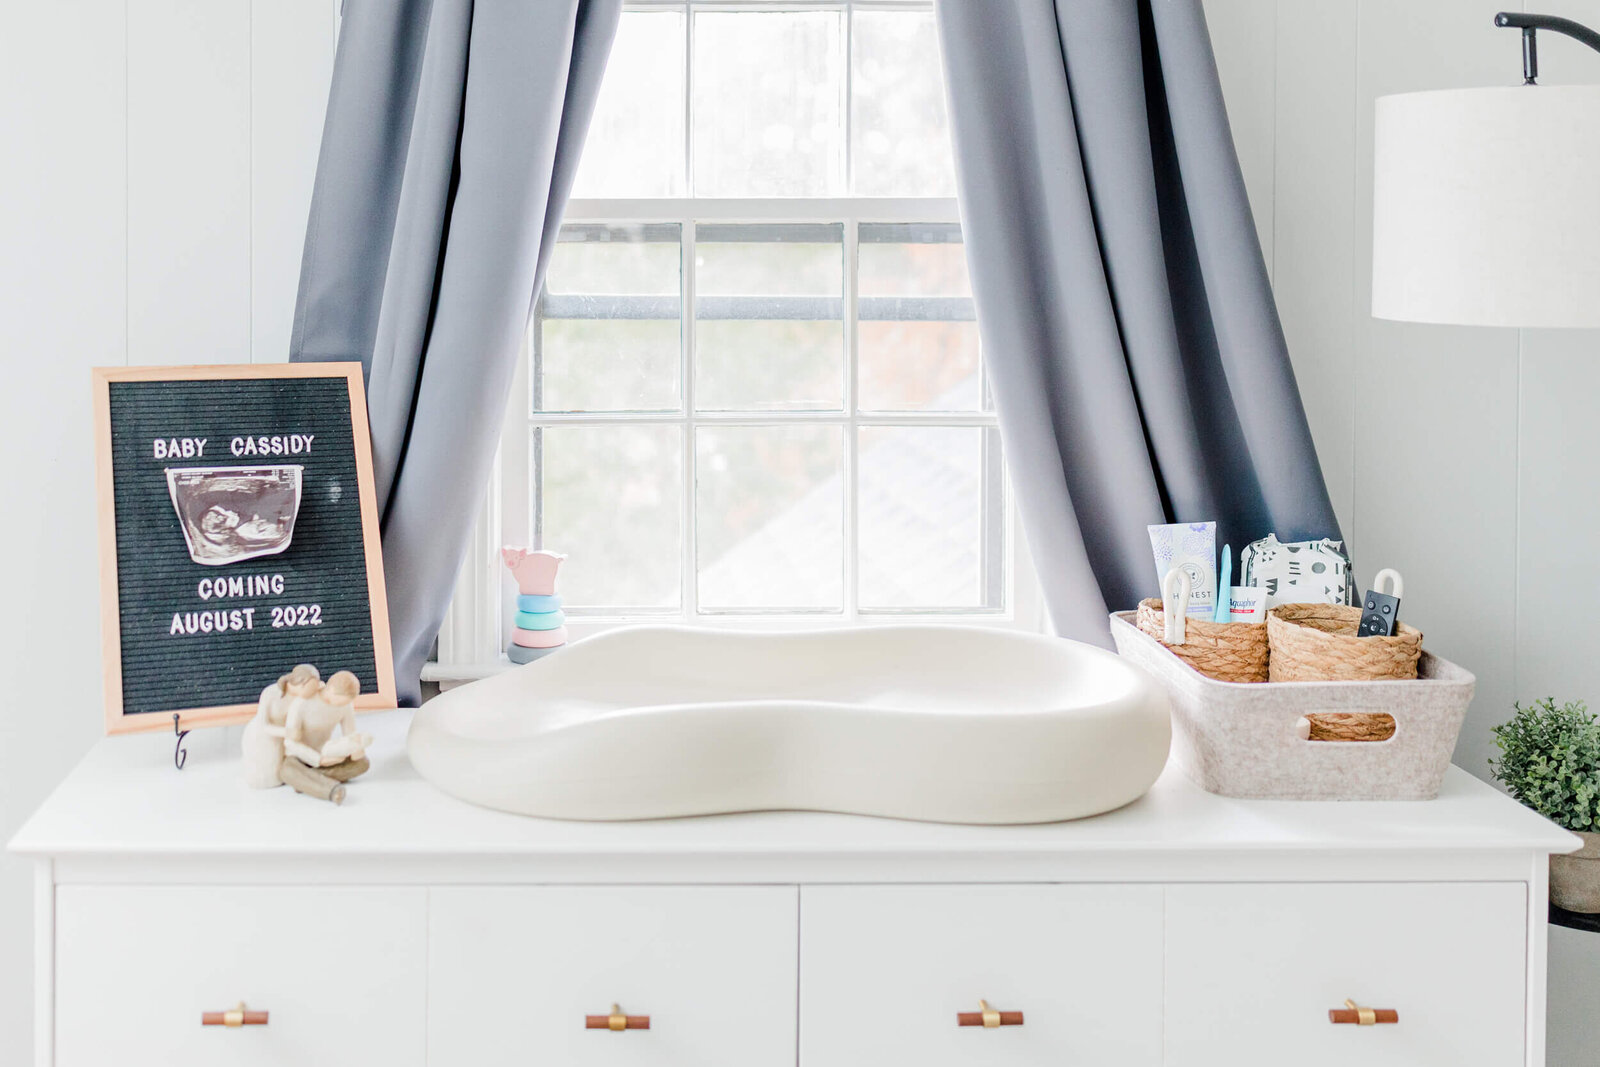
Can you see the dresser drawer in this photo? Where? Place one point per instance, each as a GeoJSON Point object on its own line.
{"type": "Point", "coordinates": [514, 973]}
{"type": "Point", "coordinates": [1252, 971]}
{"type": "Point", "coordinates": [885, 971]}
{"type": "Point", "coordinates": [340, 973]}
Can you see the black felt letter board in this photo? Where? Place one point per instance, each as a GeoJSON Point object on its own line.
{"type": "Point", "coordinates": [193, 637]}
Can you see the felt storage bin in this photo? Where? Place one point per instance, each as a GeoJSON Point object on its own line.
{"type": "Point", "coordinates": [1226, 651]}
{"type": "Point", "coordinates": [1244, 739]}
{"type": "Point", "coordinates": [1318, 643]}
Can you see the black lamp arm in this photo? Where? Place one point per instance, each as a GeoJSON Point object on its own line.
{"type": "Point", "coordinates": [1529, 24]}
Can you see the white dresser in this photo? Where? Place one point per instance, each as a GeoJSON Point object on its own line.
{"type": "Point", "coordinates": [407, 928]}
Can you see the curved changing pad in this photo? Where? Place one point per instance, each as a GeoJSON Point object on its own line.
{"type": "Point", "coordinates": [943, 723]}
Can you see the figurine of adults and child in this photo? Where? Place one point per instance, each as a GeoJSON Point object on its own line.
{"type": "Point", "coordinates": [291, 739]}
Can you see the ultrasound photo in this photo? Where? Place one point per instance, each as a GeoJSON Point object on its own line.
{"type": "Point", "coordinates": [230, 514]}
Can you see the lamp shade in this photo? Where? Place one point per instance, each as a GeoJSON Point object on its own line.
{"type": "Point", "coordinates": [1486, 206]}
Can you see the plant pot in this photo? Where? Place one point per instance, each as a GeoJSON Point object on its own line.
{"type": "Point", "coordinates": [1575, 877]}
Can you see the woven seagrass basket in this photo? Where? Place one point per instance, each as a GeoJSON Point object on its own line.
{"type": "Point", "coordinates": [1318, 643]}
{"type": "Point", "coordinates": [1226, 651]}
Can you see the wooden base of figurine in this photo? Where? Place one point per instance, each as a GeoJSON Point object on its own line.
{"type": "Point", "coordinates": [324, 783]}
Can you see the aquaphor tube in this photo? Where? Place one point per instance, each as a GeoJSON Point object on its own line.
{"type": "Point", "coordinates": [1246, 603]}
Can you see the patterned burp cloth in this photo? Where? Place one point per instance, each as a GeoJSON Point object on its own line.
{"type": "Point", "coordinates": [1304, 572]}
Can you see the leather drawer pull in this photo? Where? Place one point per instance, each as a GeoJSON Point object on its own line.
{"type": "Point", "coordinates": [1359, 1016]}
{"type": "Point", "coordinates": [988, 1018]}
{"type": "Point", "coordinates": [235, 1017]}
{"type": "Point", "coordinates": [616, 1022]}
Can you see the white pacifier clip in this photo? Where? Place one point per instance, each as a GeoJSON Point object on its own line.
{"type": "Point", "coordinates": [1175, 591]}
{"type": "Point", "coordinates": [1397, 584]}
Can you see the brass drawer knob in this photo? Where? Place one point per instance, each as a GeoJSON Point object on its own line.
{"type": "Point", "coordinates": [988, 1018]}
{"type": "Point", "coordinates": [235, 1017]}
{"type": "Point", "coordinates": [616, 1022]}
{"type": "Point", "coordinates": [1353, 1014]}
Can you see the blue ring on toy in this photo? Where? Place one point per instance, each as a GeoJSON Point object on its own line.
{"type": "Point", "coordinates": [537, 603]}
{"type": "Point", "coordinates": [540, 620]}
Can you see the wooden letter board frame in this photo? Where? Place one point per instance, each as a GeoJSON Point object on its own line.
{"type": "Point", "coordinates": [116, 719]}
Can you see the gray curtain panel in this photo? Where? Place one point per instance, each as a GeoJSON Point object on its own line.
{"type": "Point", "coordinates": [452, 135]}
{"type": "Point", "coordinates": [1137, 362]}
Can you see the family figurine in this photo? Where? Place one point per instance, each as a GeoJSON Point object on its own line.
{"type": "Point", "coordinates": [291, 739]}
{"type": "Point", "coordinates": [540, 624]}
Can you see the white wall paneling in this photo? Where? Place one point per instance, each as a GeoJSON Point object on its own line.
{"type": "Point", "coordinates": [1242, 35]}
{"type": "Point", "coordinates": [158, 160]}
{"type": "Point", "coordinates": [62, 311]}
{"type": "Point", "coordinates": [291, 60]}
{"type": "Point", "coordinates": [189, 181]}
{"type": "Point", "coordinates": [1558, 513]}
{"type": "Point", "coordinates": [1558, 524]}
{"type": "Point", "coordinates": [1436, 421]}
{"type": "Point", "coordinates": [1313, 224]}
{"type": "Point", "coordinates": [1558, 506]}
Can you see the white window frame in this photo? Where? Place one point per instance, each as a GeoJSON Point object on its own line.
{"type": "Point", "coordinates": [476, 628]}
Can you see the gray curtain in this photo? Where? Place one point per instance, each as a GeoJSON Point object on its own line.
{"type": "Point", "coordinates": [1138, 366]}
{"type": "Point", "coordinates": [452, 136]}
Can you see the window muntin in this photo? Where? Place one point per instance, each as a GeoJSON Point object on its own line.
{"type": "Point", "coordinates": [781, 458]}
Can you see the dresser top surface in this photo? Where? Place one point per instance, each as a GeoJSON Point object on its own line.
{"type": "Point", "coordinates": [126, 799]}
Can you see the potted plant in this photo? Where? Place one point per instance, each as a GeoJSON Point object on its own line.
{"type": "Point", "coordinates": [1550, 761]}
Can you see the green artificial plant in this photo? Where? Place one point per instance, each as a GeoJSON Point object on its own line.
{"type": "Point", "coordinates": [1550, 761]}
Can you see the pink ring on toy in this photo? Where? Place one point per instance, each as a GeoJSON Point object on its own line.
{"type": "Point", "coordinates": [540, 638]}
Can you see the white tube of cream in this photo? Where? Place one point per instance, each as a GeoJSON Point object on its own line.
{"type": "Point", "coordinates": [1192, 547]}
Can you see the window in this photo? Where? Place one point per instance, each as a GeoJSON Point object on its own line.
{"type": "Point", "coordinates": [752, 391]}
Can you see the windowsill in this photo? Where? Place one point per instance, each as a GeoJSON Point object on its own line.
{"type": "Point", "coordinates": [448, 676]}
{"type": "Point", "coordinates": [452, 674]}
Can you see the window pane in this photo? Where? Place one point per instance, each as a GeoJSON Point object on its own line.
{"type": "Point", "coordinates": [900, 141]}
{"type": "Point", "coordinates": [917, 335]}
{"type": "Point", "coordinates": [769, 502]}
{"type": "Point", "coordinates": [929, 517]}
{"type": "Point", "coordinates": [640, 260]}
{"type": "Point", "coordinates": [610, 497]}
{"type": "Point", "coordinates": [769, 317]}
{"type": "Point", "coordinates": [768, 103]}
{"type": "Point", "coordinates": [635, 142]}
{"type": "Point", "coordinates": [769, 259]}
{"type": "Point", "coordinates": [608, 334]}
{"type": "Point", "coordinates": [762, 365]}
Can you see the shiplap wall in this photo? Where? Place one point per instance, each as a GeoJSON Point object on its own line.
{"type": "Point", "coordinates": [1463, 457]}
{"type": "Point", "coordinates": [156, 159]}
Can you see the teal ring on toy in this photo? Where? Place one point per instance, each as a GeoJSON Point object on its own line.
{"type": "Point", "coordinates": [540, 620]}
{"type": "Point", "coordinates": [538, 603]}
